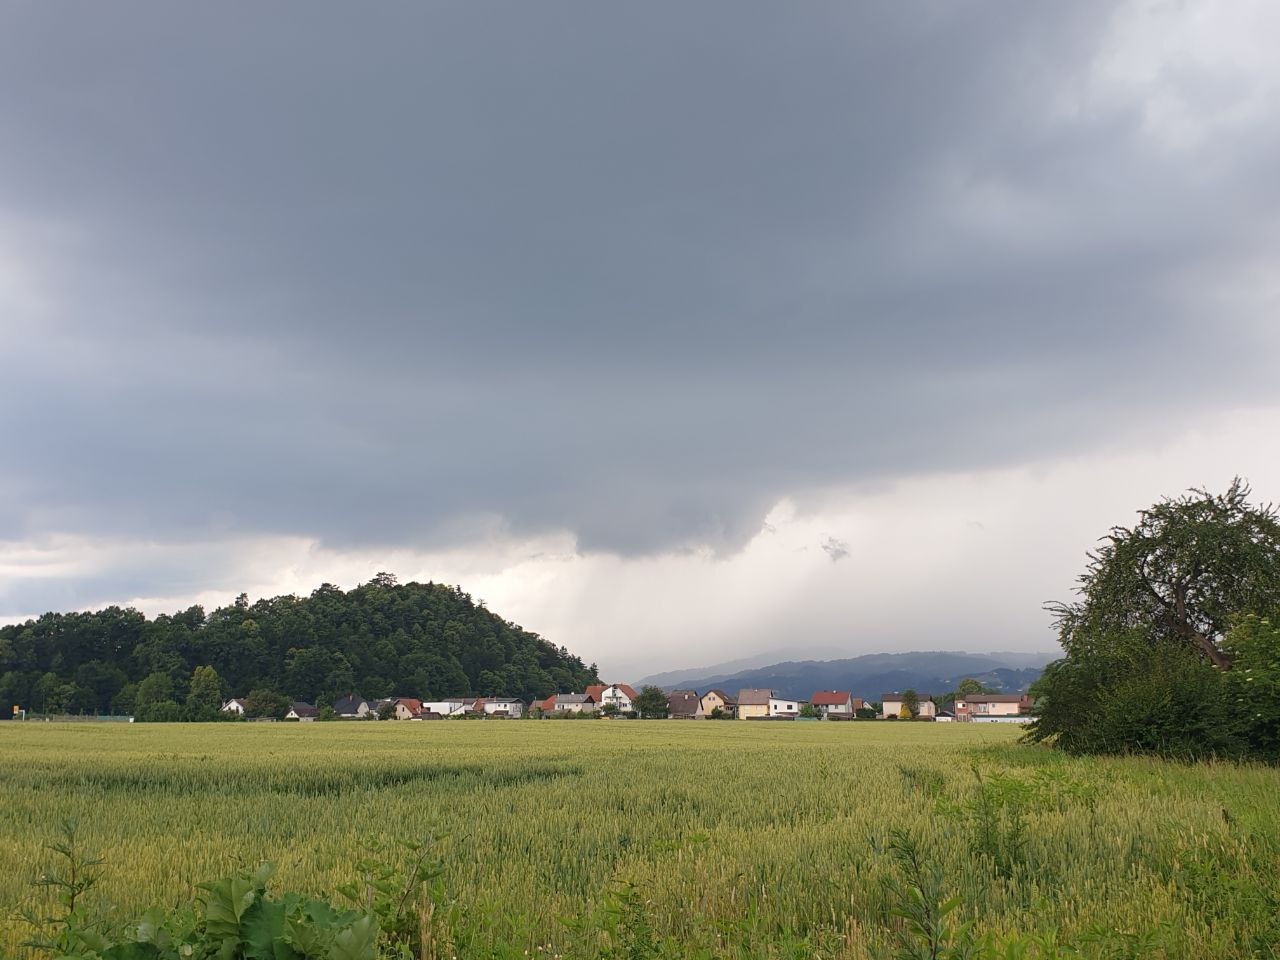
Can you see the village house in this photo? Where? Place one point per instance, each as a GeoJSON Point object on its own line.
{"type": "Point", "coordinates": [302, 711]}
{"type": "Point", "coordinates": [544, 706]}
{"type": "Point", "coordinates": [835, 704]}
{"type": "Point", "coordinates": [234, 705]}
{"type": "Point", "coordinates": [753, 703]}
{"type": "Point", "coordinates": [618, 695]}
{"type": "Point", "coordinates": [783, 708]}
{"type": "Point", "coordinates": [408, 708]}
{"type": "Point", "coordinates": [502, 707]}
{"type": "Point", "coordinates": [352, 707]}
{"type": "Point", "coordinates": [892, 705]}
{"type": "Point", "coordinates": [450, 706]}
{"type": "Point", "coordinates": [575, 703]}
{"type": "Point", "coordinates": [992, 705]}
{"type": "Point", "coordinates": [684, 705]}
{"type": "Point", "coordinates": [718, 698]}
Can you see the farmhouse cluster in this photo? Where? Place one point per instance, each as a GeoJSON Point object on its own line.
{"type": "Point", "coordinates": [619, 700]}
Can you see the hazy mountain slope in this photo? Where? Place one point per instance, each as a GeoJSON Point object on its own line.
{"type": "Point", "coordinates": [872, 675]}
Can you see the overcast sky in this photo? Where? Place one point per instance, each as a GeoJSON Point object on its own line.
{"type": "Point", "coordinates": [676, 332]}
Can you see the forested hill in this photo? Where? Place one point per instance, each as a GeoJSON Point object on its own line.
{"type": "Point", "coordinates": [379, 639]}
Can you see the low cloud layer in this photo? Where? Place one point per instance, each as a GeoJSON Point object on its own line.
{"type": "Point", "coordinates": [461, 280]}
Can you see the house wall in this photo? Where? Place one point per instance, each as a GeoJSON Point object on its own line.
{"type": "Point", "coordinates": [783, 708]}
{"type": "Point", "coordinates": [836, 710]}
{"type": "Point", "coordinates": [751, 711]}
{"type": "Point", "coordinates": [893, 708]}
{"type": "Point", "coordinates": [710, 701]}
{"type": "Point", "coordinates": [403, 712]}
{"type": "Point", "coordinates": [446, 707]}
{"type": "Point", "coordinates": [616, 697]}
{"type": "Point", "coordinates": [997, 709]}
{"type": "Point", "coordinates": [505, 709]}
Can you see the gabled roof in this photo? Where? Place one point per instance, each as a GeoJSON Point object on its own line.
{"type": "Point", "coordinates": [304, 709]}
{"type": "Point", "coordinates": [754, 697]}
{"type": "Point", "coordinates": [831, 698]}
{"type": "Point", "coordinates": [684, 703]}
{"type": "Point", "coordinates": [349, 704]}
{"type": "Point", "coordinates": [724, 697]}
{"type": "Point", "coordinates": [574, 698]}
{"type": "Point", "coordinates": [412, 704]}
{"type": "Point", "coordinates": [595, 691]}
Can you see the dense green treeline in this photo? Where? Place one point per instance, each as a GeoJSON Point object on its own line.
{"type": "Point", "coordinates": [379, 639]}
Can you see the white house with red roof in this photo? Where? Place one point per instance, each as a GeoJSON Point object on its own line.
{"type": "Point", "coordinates": [835, 704]}
{"type": "Point", "coordinates": [619, 695]}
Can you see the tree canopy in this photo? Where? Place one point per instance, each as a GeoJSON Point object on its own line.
{"type": "Point", "coordinates": [1180, 574]}
{"type": "Point", "coordinates": [379, 639]}
{"type": "Point", "coordinates": [651, 703]}
{"type": "Point", "coordinates": [1173, 646]}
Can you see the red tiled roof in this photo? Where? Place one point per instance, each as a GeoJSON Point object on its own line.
{"type": "Point", "coordinates": [830, 698]}
{"type": "Point", "coordinates": [414, 705]}
{"type": "Point", "coordinates": [595, 691]}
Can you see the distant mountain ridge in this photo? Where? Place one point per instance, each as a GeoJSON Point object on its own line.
{"type": "Point", "coordinates": [869, 676]}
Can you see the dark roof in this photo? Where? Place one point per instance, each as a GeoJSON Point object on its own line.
{"type": "Point", "coordinates": [754, 697]}
{"type": "Point", "coordinates": [831, 698]}
{"type": "Point", "coordinates": [720, 693]}
{"type": "Point", "coordinates": [304, 709]}
{"type": "Point", "coordinates": [349, 704]}
{"type": "Point", "coordinates": [684, 703]}
{"type": "Point", "coordinates": [574, 698]}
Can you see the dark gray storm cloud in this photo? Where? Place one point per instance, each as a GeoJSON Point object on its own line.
{"type": "Point", "coordinates": [370, 273]}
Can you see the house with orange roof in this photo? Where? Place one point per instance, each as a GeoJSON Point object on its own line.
{"type": "Point", "coordinates": [408, 708]}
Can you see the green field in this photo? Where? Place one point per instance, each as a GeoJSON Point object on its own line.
{"type": "Point", "coordinates": [741, 838]}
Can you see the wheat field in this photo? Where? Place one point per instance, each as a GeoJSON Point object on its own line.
{"type": "Point", "coordinates": [748, 839]}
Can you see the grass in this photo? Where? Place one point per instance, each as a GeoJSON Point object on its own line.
{"type": "Point", "coordinates": [719, 838]}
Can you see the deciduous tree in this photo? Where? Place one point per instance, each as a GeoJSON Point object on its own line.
{"type": "Point", "coordinates": [1181, 573]}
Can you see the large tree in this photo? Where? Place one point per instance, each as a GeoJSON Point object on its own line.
{"type": "Point", "coordinates": [1180, 574]}
{"type": "Point", "coordinates": [1166, 609]}
{"type": "Point", "coordinates": [652, 703]}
